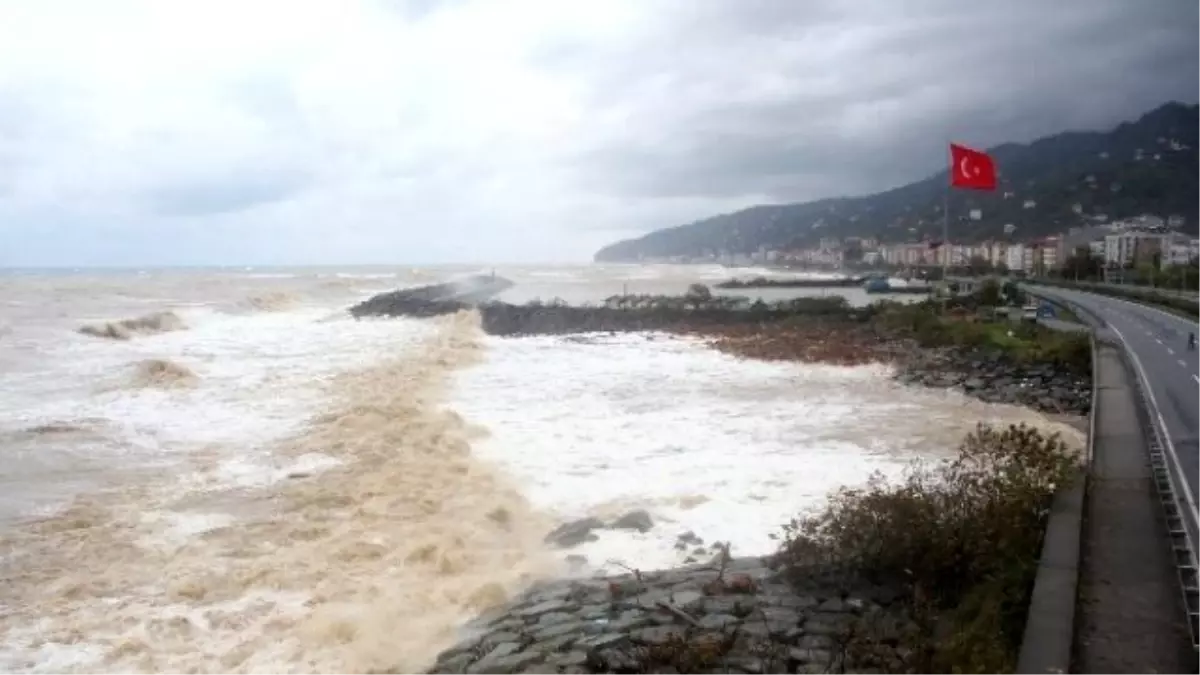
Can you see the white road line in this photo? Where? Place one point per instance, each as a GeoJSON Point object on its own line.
{"type": "Point", "coordinates": [1184, 489]}
{"type": "Point", "coordinates": [1196, 378]}
{"type": "Point", "coordinates": [1158, 341]}
{"type": "Point", "coordinates": [1183, 363]}
{"type": "Point", "coordinates": [1170, 351]}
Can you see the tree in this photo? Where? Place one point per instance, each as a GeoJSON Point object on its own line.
{"type": "Point", "coordinates": [853, 252]}
{"type": "Point", "coordinates": [978, 266]}
{"type": "Point", "coordinates": [1082, 265]}
{"type": "Point", "coordinates": [989, 293]}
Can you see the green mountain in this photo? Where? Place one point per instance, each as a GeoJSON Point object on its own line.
{"type": "Point", "coordinates": [1146, 166]}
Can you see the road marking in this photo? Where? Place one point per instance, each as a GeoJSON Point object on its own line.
{"type": "Point", "coordinates": [1169, 350]}
{"type": "Point", "coordinates": [1196, 378]}
{"type": "Point", "coordinates": [1183, 363]}
{"type": "Point", "coordinates": [1158, 341]}
{"type": "Point", "coordinates": [1184, 489]}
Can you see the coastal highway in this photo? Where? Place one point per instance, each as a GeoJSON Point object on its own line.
{"type": "Point", "coordinates": [1158, 340]}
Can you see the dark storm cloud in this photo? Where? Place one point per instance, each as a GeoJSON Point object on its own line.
{"type": "Point", "coordinates": [225, 194]}
{"type": "Point", "coordinates": [801, 100]}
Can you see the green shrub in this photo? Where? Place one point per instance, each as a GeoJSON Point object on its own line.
{"type": "Point", "coordinates": [989, 293]}
{"type": "Point", "coordinates": [963, 537]}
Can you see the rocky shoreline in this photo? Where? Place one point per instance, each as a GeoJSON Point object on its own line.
{"type": "Point", "coordinates": [727, 616]}
{"type": "Point", "coordinates": [990, 376]}
{"type": "Point", "coordinates": [994, 379]}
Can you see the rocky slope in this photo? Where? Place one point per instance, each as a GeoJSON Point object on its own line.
{"type": "Point", "coordinates": [729, 616]}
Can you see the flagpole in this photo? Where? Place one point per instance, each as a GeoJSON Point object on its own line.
{"type": "Point", "coordinates": [946, 234]}
{"type": "Point", "coordinates": [946, 220]}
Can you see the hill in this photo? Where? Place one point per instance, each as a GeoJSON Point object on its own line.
{"type": "Point", "coordinates": [1145, 166]}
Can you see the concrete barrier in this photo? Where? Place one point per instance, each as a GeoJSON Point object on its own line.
{"type": "Point", "coordinates": [1049, 637]}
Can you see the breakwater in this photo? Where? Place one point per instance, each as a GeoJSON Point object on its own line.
{"type": "Point", "coordinates": [619, 313]}
{"type": "Point", "coordinates": [435, 299]}
{"type": "Point", "coordinates": [764, 282]}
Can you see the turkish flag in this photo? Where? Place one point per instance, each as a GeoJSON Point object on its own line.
{"type": "Point", "coordinates": [971, 169]}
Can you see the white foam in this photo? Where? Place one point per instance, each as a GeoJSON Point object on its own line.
{"type": "Point", "coordinates": [725, 448]}
{"type": "Point", "coordinates": [258, 378]}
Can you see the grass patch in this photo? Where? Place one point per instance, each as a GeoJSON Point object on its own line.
{"type": "Point", "coordinates": [958, 324]}
{"type": "Point", "coordinates": [963, 537]}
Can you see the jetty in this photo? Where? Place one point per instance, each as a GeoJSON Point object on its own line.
{"type": "Point", "coordinates": [434, 299]}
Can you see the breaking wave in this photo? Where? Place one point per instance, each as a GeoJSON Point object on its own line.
{"type": "Point", "coordinates": [275, 301]}
{"type": "Point", "coordinates": [158, 322]}
{"type": "Point", "coordinates": [163, 373]}
{"type": "Point", "coordinates": [367, 566]}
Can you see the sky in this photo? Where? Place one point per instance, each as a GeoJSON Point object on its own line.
{"type": "Point", "coordinates": [274, 132]}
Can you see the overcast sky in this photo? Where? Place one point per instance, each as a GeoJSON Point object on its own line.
{"type": "Point", "coordinates": [338, 131]}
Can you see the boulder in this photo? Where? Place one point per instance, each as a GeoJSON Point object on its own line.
{"type": "Point", "coordinates": [639, 520]}
{"type": "Point", "coordinates": [574, 533]}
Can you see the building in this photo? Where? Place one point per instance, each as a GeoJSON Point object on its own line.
{"type": "Point", "coordinates": [1015, 257]}
{"type": "Point", "coordinates": [1129, 247]}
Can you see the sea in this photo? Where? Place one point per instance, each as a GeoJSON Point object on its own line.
{"type": "Point", "coordinates": [242, 478]}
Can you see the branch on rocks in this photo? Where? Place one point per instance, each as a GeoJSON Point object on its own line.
{"type": "Point", "coordinates": [679, 614]}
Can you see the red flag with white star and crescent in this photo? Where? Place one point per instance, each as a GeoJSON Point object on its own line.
{"type": "Point", "coordinates": [971, 169]}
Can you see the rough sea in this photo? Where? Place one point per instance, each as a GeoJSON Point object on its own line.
{"type": "Point", "coordinates": [241, 478]}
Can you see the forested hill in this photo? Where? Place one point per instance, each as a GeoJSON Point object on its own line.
{"type": "Point", "coordinates": [1146, 166]}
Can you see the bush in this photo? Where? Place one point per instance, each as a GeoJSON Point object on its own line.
{"type": "Point", "coordinates": [989, 293]}
{"type": "Point", "coordinates": [962, 537]}
{"type": "Point", "coordinates": [698, 292]}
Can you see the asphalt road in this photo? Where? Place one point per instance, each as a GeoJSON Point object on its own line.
{"type": "Point", "coordinates": [1159, 340]}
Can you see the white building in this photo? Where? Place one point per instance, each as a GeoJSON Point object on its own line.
{"type": "Point", "coordinates": [1121, 249]}
{"type": "Point", "coordinates": [1015, 257]}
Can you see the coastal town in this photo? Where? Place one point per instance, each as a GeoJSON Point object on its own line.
{"type": "Point", "coordinates": [1145, 240]}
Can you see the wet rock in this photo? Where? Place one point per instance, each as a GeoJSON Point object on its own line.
{"type": "Point", "coordinates": [546, 608]}
{"type": "Point", "coordinates": [639, 520]}
{"type": "Point", "coordinates": [579, 626]}
{"type": "Point", "coordinates": [503, 658]}
{"type": "Point", "coordinates": [574, 533]}
{"type": "Point", "coordinates": [689, 538]}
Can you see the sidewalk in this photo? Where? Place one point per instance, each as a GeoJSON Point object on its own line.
{"type": "Point", "coordinates": [1130, 616]}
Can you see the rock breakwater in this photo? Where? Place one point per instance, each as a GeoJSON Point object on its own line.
{"type": "Point", "coordinates": [515, 320]}
{"type": "Point", "coordinates": [732, 615]}
{"type": "Point", "coordinates": [997, 379]}
{"type": "Point", "coordinates": [434, 299]}
{"type": "Point", "coordinates": [764, 282]}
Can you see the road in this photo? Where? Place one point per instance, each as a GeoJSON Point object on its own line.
{"type": "Point", "coordinates": [1159, 341]}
